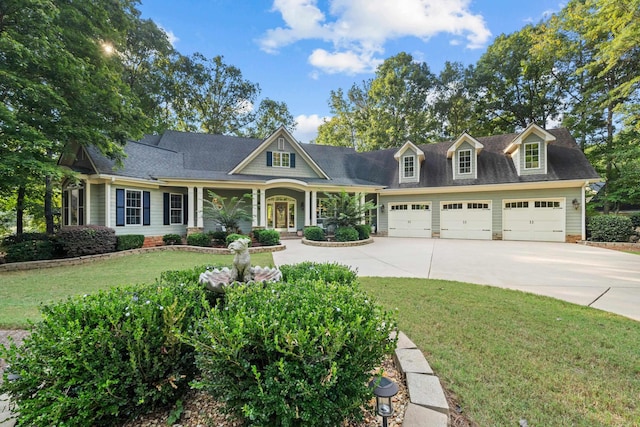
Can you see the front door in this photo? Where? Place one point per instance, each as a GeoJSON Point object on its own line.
{"type": "Point", "coordinates": [281, 214]}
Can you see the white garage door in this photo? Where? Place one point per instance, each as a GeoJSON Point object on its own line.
{"type": "Point", "coordinates": [465, 220]}
{"type": "Point", "coordinates": [410, 220]}
{"type": "Point", "coordinates": [536, 219]}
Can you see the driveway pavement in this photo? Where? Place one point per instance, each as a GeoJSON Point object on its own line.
{"type": "Point", "coordinates": [600, 278]}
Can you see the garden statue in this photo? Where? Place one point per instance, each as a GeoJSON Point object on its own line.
{"type": "Point", "coordinates": [217, 280]}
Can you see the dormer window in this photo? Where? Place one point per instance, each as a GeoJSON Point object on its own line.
{"type": "Point", "coordinates": [532, 155]}
{"type": "Point", "coordinates": [409, 169]}
{"type": "Point", "coordinates": [464, 162]}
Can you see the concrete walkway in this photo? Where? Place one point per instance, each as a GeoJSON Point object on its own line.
{"type": "Point", "coordinates": [601, 278]}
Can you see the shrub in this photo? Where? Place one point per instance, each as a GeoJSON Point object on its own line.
{"type": "Point", "coordinates": [24, 237]}
{"type": "Point", "coordinates": [269, 237]}
{"type": "Point", "coordinates": [234, 236]}
{"type": "Point", "coordinates": [84, 240]}
{"type": "Point", "coordinates": [635, 220]}
{"type": "Point", "coordinates": [346, 234]}
{"type": "Point", "coordinates": [129, 241]}
{"type": "Point", "coordinates": [314, 233]}
{"type": "Point", "coordinates": [219, 237]}
{"type": "Point", "coordinates": [199, 239]}
{"type": "Point", "coordinates": [364, 231]}
{"type": "Point", "coordinates": [172, 239]}
{"type": "Point", "coordinates": [302, 352]}
{"type": "Point", "coordinates": [103, 358]}
{"type": "Point", "coordinates": [610, 228]}
{"type": "Point", "coordinates": [30, 250]}
{"type": "Point", "coordinates": [329, 272]}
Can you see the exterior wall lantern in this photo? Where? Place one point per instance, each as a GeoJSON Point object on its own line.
{"type": "Point", "coordinates": [576, 204]}
{"type": "Point", "coordinates": [381, 208]}
{"type": "Point", "coordinates": [384, 389]}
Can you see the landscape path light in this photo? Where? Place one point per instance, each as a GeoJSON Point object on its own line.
{"type": "Point", "coordinates": [384, 389]}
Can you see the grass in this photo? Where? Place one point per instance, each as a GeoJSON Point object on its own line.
{"type": "Point", "coordinates": [510, 355]}
{"type": "Point", "coordinates": [506, 355]}
{"type": "Point", "coordinates": [22, 292]}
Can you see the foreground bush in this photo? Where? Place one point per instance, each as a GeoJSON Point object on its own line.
{"type": "Point", "coordinates": [293, 354]}
{"type": "Point", "coordinates": [269, 237]}
{"type": "Point", "coordinates": [346, 234]}
{"type": "Point", "coordinates": [610, 228]}
{"type": "Point", "coordinates": [199, 239]}
{"type": "Point", "coordinates": [314, 233]}
{"type": "Point", "coordinates": [129, 241]}
{"type": "Point", "coordinates": [84, 240]}
{"type": "Point", "coordinates": [30, 250]}
{"type": "Point", "coordinates": [329, 272]}
{"type": "Point", "coordinates": [103, 358]}
{"type": "Point", "coordinates": [364, 231]}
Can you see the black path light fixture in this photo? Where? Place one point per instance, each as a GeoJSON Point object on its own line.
{"type": "Point", "coordinates": [384, 389]}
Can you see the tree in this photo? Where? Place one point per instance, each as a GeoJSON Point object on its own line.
{"type": "Point", "coordinates": [345, 210]}
{"type": "Point", "coordinates": [454, 101]}
{"type": "Point", "coordinates": [270, 116]}
{"type": "Point", "coordinates": [227, 213]}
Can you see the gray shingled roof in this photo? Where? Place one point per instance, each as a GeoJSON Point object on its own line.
{"type": "Point", "coordinates": [210, 157]}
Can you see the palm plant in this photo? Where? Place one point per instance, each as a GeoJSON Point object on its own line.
{"type": "Point", "coordinates": [227, 213]}
{"type": "Point", "coordinates": [345, 210]}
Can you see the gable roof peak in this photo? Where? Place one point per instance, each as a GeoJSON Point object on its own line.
{"type": "Point", "coordinates": [546, 136]}
{"type": "Point", "coordinates": [406, 146]}
{"type": "Point", "coordinates": [465, 137]}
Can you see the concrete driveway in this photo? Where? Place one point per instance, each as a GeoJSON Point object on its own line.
{"type": "Point", "coordinates": [599, 278]}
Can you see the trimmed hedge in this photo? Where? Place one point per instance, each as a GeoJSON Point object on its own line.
{"type": "Point", "coordinates": [129, 241]}
{"type": "Point", "coordinates": [234, 236]}
{"type": "Point", "coordinates": [84, 240]}
{"type": "Point", "coordinates": [105, 358]}
{"type": "Point", "coordinates": [610, 228]}
{"type": "Point", "coordinates": [219, 237]}
{"type": "Point", "coordinates": [30, 250]}
{"type": "Point", "coordinates": [268, 237]}
{"type": "Point", "coordinates": [364, 231]}
{"type": "Point", "coordinates": [329, 272]}
{"type": "Point", "coordinates": [199, 239]}
{"type": "Point", "coordinates": [172, 239]}
{"type": "Point", "coordinates": [314, 233]}
{"type": "Point", "coordinates": [635, 219]}
{"type": "Point", "coordinates": [346, 234]}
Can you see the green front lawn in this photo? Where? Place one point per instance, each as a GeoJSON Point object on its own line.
{"type": "Point", "coordinates": [506, 355]}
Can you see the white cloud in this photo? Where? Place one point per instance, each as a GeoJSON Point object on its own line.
{"type": "Point", "coordinates": [358, 29]}
{"type": "Point", "coordinates": [173, 39]}
{"type": "Point", "coordinates": [307, 127]}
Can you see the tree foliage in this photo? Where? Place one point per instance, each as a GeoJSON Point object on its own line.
{"type": "Point", "coordinates": [344, 209]}
{"type": "Point", "coordinates": [227, 212]}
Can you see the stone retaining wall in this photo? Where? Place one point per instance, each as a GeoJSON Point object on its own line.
{"type": "Point", "coordinates": [18, 266]}
{"type": "Point", "coordinates": [618, 246]}
{"type": "Point", "coordinates": [336, 244]}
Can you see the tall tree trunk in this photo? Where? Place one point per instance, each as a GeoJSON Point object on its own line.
{"type": "Point", "coordinates": [20, 210]}
{"type": "Point", "coordinates": [609, 156]}
{"type": "Point", "coordinates": [48, 204]}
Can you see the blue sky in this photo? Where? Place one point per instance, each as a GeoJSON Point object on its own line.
{"type": "Point", "coordinates": [300, 50]}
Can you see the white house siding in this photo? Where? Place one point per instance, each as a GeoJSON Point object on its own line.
{"type": "Point", "coordinates": [97, 205]}
{"type": "Point", "coordinates": [259, 165]}
{"type": "Point", "coordinates": [573, 216]}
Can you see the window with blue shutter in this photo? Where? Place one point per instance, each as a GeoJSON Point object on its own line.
{"type": "Point", "coordinates": [185, 209]}
{"type": "Point", "coordinates": [146, 208]}
{"type": "Point", "coordinates": [119, 207]}
{"type": "Point", "coordinates": [269, 158]}
{"type": "Point", "coordinates": [166, 213]}
{"type": "Point", "coordinates": [292, 160]}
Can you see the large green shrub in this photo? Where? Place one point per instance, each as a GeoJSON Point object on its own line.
{"type": "Point", "coordinates": [269, 237]}
{"type": "Point", "coordinates": [19, 238]}
{"type": "Point", "coordinates": [346, 234]}
{"type": "Point", "coordinates": [314, 233]}
{"type": "Point", "coordinates": [235, 236]}
{"type": "Point", "coordinates": [219, 237]}
{"type": "Point", "coordinates": [610, 228]}
{"type": "Point", "coordinates": [84, 240]}
{"type": "Point", "coordinates": [30, 250]}
{"type": "Point", "coordinates": [293, 354]}
{"type": "Point", "coordinates": [199, 239]}
{"type": "Point", "coordinates": [172, 239]}
{"type": "Point", "coordinates": [364, 231]}
{"type": "Point", "coordinates": [329, 272]}
{"type": "Point", "coordinates": [129, 241]}
{"type": "Point", "coordinates": [635, 219]}
{"type": "Point", "coordinates": [103, 358]}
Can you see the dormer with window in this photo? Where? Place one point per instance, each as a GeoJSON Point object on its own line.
{"type": "Point", "coordinates": [529, 150]}
{"type": "Point", "coordinates": [464, 157]}
{"type": "Point", "coordinates": [409, 159]}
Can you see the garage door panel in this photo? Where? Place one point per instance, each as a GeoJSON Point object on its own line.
{"type": "Point", "coordinates": [465, 220]}
{"type": "Point", "coordinates": [536, 219]}
{"type": "Point", "coordinates": [410, 220]}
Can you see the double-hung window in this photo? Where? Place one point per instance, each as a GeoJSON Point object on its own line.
{"type": "Point", "coordinates": [464, 162]}
{"type": "Point", "coordinates": [281, 160]}
{"type": "Point", "coordinates": [409, 166]}
{"type": "Point", "coordinates": [133, 207]}
{"type": "Point", "coordinates": [532, 155]}
{"type": "Point", "coordinates": [176, 208]}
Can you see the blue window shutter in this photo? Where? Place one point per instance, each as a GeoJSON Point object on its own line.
{"type": "Point", "coordinates": [292, 160]}
{"type": "Point", "coordinates": [119, 207]}
{"type": "Point", "coordinates": [166, 220]}
{"type": "Point", "coordinates": [185, 209]}
{"type": "Point", "coordinates": [146, 208]}
{"type": "Point", "coordinates": [269, 158]}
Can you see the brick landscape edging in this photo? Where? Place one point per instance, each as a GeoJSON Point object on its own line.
{"type": "Point", "coordinates": [32, 265]}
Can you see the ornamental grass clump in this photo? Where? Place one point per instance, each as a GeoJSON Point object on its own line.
{"type": "Point", "coordinates": [104, 358]}
{"type": "Point", "coordinates": [293, 354]}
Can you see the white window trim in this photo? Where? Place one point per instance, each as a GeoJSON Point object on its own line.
{"type": "Point", "coordinates": [404, 167]}
{"type": "Point", "coordinates": [459, 158]}
{"type": "Point", "coordinates": [281, 144]}
{"type": "Point", "coordinates": [127, 207]}
{"type": "Point", "coordinates": [279, 162]}
{"type": "Point", "coordinates": [172, 209]}
{"type": "Point", "coordinates": [524, 155]}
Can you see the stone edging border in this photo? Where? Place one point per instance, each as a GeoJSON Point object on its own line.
{"type": "Point", "coordinates": [337, 244]}
{"type": "Point", "coordinates": [19, 266]}
{"type": "Point", "coordinates": [427, 402]}
{"type": "Point", "coordinates": [618, 246]}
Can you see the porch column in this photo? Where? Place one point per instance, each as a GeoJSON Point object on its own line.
{"type": "Point", "coordinates": [190, 213]}
{"type": "Point", "coordinates": [263, 208]}
{"type": "Point", "coordinates": [362, 204]}
{"type": "Point", "coordinates": [254, 207]}
{"type": "Point", "coordinates": [87, 204]}
{"type": "Point", "coordinates": [200, 222]}
{"type": "Point", "coordinates": [107, 204]}
{"type": "Point", "coordinates": [307, 206]}
{"type": "Point", "coordinates": [314, 208]}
